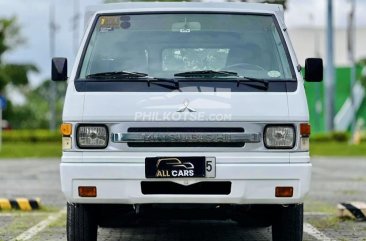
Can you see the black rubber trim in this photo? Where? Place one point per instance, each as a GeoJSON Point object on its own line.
{"type": "Point", "coordinates": [172, 188]}
{"type": "Point", "coordinates": [195, 85]}
{"type": "Point", "coordinates": [186, 129]}
{"type": "Point", "coordinates": [291, 86]}
{"type": "Point", "coordinates": [186, 144]}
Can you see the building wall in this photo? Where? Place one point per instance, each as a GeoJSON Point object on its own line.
{"type": "Point", "coordinates": [310, 42]}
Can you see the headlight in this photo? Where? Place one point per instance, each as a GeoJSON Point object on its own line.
{"type": "Point", "coordinates": [92, 136]}
{"type": "Point", "coordinates": [279, 137]}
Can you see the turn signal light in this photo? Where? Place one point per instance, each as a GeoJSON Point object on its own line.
{"type": "Point", "coordinates": [87, 191]}
{"type": "Point", "coordinates": [284, 191]}
{"type": "Point", "coordinates": [66, 129]}
{"type": "Point", "coordinates": [305, 129]}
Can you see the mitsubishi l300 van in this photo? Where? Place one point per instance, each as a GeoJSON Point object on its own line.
{"type": "Point", "coordinates": [186, 110]}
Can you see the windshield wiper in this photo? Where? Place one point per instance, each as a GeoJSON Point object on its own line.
{"type": "Point", "coordinates": [154, 80]}
{"type": "Point", "coordinates": [249, 80]}
{"type": "Point", "coordinates": [201, 73]}
{"type": "Point", "coordinates": [206, 73]}
{"type": "Point", "coordinates": [238, 79]}
{"type": "Point", "coordinates": [117, 74]}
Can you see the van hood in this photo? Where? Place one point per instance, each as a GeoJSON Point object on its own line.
{"type": "Point", "coordinates": [182, 106]}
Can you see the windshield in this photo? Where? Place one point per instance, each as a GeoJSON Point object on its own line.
{"type": "Point", "coordinates": [163, 45]}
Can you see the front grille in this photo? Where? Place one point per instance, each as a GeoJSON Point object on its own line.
{"type": "Point", "coordinates": [185, 130]}
{"type": "Point", "coordinates": [201, 188]}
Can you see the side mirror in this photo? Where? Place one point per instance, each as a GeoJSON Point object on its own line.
{"type": "Point", "coordinates": [59, 69]}
{"type": "Point", "coordinates": [314, 70]}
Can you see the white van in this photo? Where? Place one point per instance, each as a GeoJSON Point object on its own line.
{"type": "Point", "coordinates": [186, 110]}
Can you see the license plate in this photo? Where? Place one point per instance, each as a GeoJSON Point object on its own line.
{"type": "Point", "coordinates": [180, 167]}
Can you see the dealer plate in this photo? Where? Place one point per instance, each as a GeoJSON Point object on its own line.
{"type": "Point", "coordinates": [180, 167]}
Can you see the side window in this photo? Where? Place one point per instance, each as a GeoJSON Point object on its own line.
{"type": "Point", "coordinates": [85, 70]}
{"type": "Point", "coordinates": [281, 57]}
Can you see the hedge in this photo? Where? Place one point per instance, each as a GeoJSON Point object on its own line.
{"type": "Point", "coordinates": [330, 136]}
{"type": "Point", "coordinates": [31, 136]}
{"type": "Point", "coordinates": [335, 137]}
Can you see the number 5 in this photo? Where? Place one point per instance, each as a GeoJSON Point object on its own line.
{"type": "Point", "coordinates": [209, 166]}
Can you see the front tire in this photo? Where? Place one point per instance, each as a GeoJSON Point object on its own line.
{"type": "Point", "coordinates": [288, 223]}
{"type": "Point", "coordinates": [81, 222]}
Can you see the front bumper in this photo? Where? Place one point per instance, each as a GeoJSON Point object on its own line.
{"type": "Point", "coordinates": [120, 182]}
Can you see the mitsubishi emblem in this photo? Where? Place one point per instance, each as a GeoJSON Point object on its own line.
{"type": "Point", "coordinates": [186, 107]}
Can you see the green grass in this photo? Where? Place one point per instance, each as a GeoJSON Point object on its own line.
{"type": "Point", "coordinates": [30, 150]}
{"type": "Point", "coordinates": [18, 224]}
{"type": "Point", "coordinates": [59, 223]}
{"type": "Point", "coordinates": [329, 222]}
{"type": "Point", "coordinates": [337, 149]}
{"type": "Point", "coordinates": [359, 179]}
{"type": "Point", "coordinates": [41, 211]}
{"type": "Point", "coordinates": [19, 221]}
{"type": "Point", "coordinates": [311, 205]}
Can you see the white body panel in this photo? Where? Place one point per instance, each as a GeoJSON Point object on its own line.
{"type": "Point", "coordinates": [251, 183]}
{"type": "Point", "coordinates": [237, 106]}
{"type": "Point", "coordinates": [253, 171]}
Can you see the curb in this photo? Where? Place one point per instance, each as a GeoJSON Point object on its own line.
{"type": "Point", "coordinates": [355, 210]}
{"type": "Point", "coordinates": [23, 204]}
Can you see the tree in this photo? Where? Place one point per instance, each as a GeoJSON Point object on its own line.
{"type": "Point", "coordinates": [362, 63]}
{"type": "Point", "coordinates": [10, 73]}
{"type": "Point", "coordinates": [9, 35]}
{"type": "Point", "coordinates": [16, 74]}
{"type": "Point", "coordinates": [36, 107]}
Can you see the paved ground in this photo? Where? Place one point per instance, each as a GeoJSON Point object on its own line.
{"type": "Point", "coordinates": [334, 180]}
{"type": "Point", "coordinates": [338, 179]}
{"type": "Point", "coordinates": [32, 178]}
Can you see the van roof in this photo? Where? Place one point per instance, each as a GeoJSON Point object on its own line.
{"type": "Point", "coordinates": [236, 7]}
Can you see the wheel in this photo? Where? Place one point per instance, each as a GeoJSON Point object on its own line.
{"type": "Point", "coordinates": [81, 222]}
{"type": "Point", "coordinates": [288, 223]}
